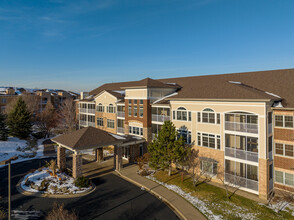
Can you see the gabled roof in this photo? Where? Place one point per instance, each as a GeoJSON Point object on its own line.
{"type": "Point", "coordinates": [86, 138]}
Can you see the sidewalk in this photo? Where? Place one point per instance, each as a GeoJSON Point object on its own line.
{"type": "Point", "coordinates": [183, 208]}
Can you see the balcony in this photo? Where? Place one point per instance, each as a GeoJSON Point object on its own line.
{"type": "Point", "coordinates": [271, 184]}
{"type": "Point", "coordinates": [83, 123]}
{"type": "Point", "coordinates": [241, 127]}
{"type": "Point", "coordinates": [121, 114]}
{"type": "Point", "coordinates": [241, 181]}
{"type": "Point", "coordinates": [160, 118]}
{"type": "Point", "coordinates": [120, 130]}
{"type": "Point", "coordinates": [241, 154]}
{"type": "Point", "coordinates": [92, 124]}
{"type": "Point", "coordinates": [87, 110]}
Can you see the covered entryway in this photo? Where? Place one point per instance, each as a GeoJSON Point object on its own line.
{"type": "Point", "coordinates": [94, 139]}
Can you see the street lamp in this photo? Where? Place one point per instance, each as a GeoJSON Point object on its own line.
{"type": "Point", "coordinates": [4, 162]}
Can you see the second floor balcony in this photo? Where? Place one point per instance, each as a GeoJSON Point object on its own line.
{"type": "Point", "coordinates": [120, 130]}
{"type": "Point", "coordinates": [160, 118]}
{"type": "Point", "coordinates": [120, 114]}
{"type": "Point", "coordinates": [87, 110]}
{"type": "Point", "coordinates": [241, 122]}
{"type": "Point", "coordinates": [241, 127]}
{"type": "Point", "coordinates": [241, 154]}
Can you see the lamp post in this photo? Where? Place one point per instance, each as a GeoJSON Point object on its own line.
{"type": "Point", "coordinates": [4, 162]}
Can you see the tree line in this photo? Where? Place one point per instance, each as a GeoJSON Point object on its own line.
{"type": "Point", "coordinates": [23, 117]}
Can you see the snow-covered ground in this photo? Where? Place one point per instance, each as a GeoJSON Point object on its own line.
{"type": "Point", "coordinates": [203, 205]}
{"type": "Point", "coordinates": [61, 184]}
{"type": "Point", "coordinates": [16, 147]}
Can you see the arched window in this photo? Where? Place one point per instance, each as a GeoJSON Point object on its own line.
{"type": "Point", "coordinates": [110, 108]}
{"type": "Point", "coordinates": [208, 116]}
{"type": "Point", "coordinates": [100, 108]}
{"type": "Point", "coordinates": [182, 114]}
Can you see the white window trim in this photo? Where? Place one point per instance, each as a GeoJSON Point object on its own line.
{"type": "Point", "coordinates": [284, 121]}
{"type": "Point", "coordinates": [284, 152]}
{"type": "Point", "coordinates": [216, 137]}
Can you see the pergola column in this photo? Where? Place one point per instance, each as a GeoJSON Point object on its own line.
{"type": "Point", "coordinates": [77, 165]}
{"type": "Point", "coordinates": [61, 158]}
{"type": "Point", "coordinates": [118, 158]}
{"type": "Point", "coordinates": [99, 155]}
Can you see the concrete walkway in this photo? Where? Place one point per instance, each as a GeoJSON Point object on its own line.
{"type": "Point", "coordinates": [176, 202]}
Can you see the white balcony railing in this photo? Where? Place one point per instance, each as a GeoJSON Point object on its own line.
{"type": "Point", "coordinates": [87, 110]}
{"type": "Point", "coordinates": [241, 181]}
{"type": "Point", "coordinates": [241, 154]}
{"type": "Point", "coordinates": [160, 118]}
{"type": "Point", "coordinates": [83, 123]}
{"type": "Point", "coordinates": [92, 124]}
{"type": "Point", "coordinates": [241, 127]}
{"type": "Point", "coordinates": [120, 130]}
{"type": "Point", "coordinates": [120, 114]}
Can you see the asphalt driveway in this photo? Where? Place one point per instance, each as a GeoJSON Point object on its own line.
{"type": "Point", "coordinates": [114, 198]}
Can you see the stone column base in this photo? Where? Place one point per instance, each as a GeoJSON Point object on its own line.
{"type": "Point", "coordinates": [61, 158]}
{"type": "Point", "coordinates": [77, 165]}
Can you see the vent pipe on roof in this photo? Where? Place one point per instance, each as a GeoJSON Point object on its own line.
{"type": "Point", "coordinates": [84, 95]}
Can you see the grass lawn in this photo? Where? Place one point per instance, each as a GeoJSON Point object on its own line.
{"type": "Point", "coordinates": [215, 200]}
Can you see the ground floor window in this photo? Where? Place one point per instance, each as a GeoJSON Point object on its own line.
{"type": "Point", "coordinates": [284, 178]}
{"type": "Point", "coordinates": [241, 169]}
{"type": "Point", "coordinates": [136, 130]}
{"type": "Point", "coordinates": [110, 123]}
{"type": "Point", "coordinates": [186, 135]}
{"type": "Point", "coordinates": [208, 167]}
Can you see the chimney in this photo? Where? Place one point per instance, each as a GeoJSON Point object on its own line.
{"type": "Point", "coordinates": [84, 95]}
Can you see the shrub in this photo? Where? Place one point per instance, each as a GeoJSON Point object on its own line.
{"type": "Point", "coordinates": [82, 182]}
{"type": "Point", "coordinates": [2, 214]}
{"type": "Point", "coordinates": [59, 213]}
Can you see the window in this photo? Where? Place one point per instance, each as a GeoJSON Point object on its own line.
{"type": "Point", "coordinates": [208, 140]}
{"type": "Point", "coordinates": [141, 102]}
{"type": "Point", "coordinates": [185, 134]}
{"type": "Point", "coordinates": [135, 102]}
{"type": "Point", "coordinates": [141, 111]}
{"type": "Point", "coordinates": [208, 116]}
{"type": "Point", "coordinates": [289, 179]}
{"type": "Point", "coordinates": [289, 121]}
{"type": "Point", "coordinates": [190, 116]}
{"type": "Point", "coordinates": [279, 177]}
{"type": "Point", "coordinates": [284, 121]}
{"type": "Point", "coordinates": [91, 118]}
{"type": "Point", "coordinates": [135, 111]}
{"type": "Point", "coordinates": [181, 114]}
{"type": "Point", "coordinates": [100, 108]}
{"type": "Point", "coordinates": [100, 122]}
{"type": "Point", "coordinates": [279, 120]}
{"type": "Point", "coordinates": [110, 108]}
{"type": "Point", "coordinates": [239, 142]}
{"type": "Point", "coordinates": [279, 149]}
{"type": "Point", "coordinates": [130, 110]}
{"type": "Point", "coordinates": [130, 101]}
{"type": "Point", "coordinates": [174, 115]}
{"type": "Point", "coordinates": [270, 144]}
{"type": "Point", "coordinates": [136, 131]}
{"type": "Point", "coordinates": [270, 171]}
{"type": "Point", "coordinates": [269, 117]}
{"type": "Point", "coordinates": [284, 150]}
{"type": "Point", "coordinates": [288, 150]}
{"type": "Point", "coordinates": [110, 123]}
{"type": "Point", "coordinates": [208, 167]}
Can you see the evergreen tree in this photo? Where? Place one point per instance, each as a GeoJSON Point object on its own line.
{"type": "Point", "coordinates": [19, 120]}
{"type": "Point", "coordinates": [3, 128]}
{"type": "Point", "coordinates": [167, 148]}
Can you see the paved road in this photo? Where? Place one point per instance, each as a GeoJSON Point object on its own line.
{"type": "Point", "coordinates": [114, 198]}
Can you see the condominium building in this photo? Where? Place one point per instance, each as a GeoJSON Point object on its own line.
{"type": "Point", "coordinates": [241, 122]}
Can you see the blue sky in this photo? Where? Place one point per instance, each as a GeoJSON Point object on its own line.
{"type": "Point", "coordinates": [81, 44]}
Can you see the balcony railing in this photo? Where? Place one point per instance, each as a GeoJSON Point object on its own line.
{"type": "Point", "coordinates": [83, 123]}
{"type": "Point", "coordinates": [120, 130]}
{"type": "Point", "coordinates": [160, 118]}
{"type": "Point", "coordinates": [241, 181]}
{"type": "Point", "coordinates": [241, 154]}
{"type": "Point", "coordinates": [92, 124]}
{"type": "Point", "coordinates": [270, 128]}
{"type": "Point", "coordinates": [121, 114]}
{"type": "Point", "coordinates": [241, 127]}
{"type": "Point", "coordinates": [271, 184]}
{"type": "Point", "coordinates": [87, 110]}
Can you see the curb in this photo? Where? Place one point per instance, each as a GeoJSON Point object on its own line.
{"type": "Point", "coordinates": [56, 196]}
{"type": "Point", "coordinates": [162, 198]}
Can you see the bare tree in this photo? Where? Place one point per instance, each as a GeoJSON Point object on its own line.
{"type": "Point", "coordinates": [231, 183]}
{"type": "Point", "coordinates": [47, 119]}
{"type": "Point", "coordinates": [67, 115]}
{"type": "Point", "coordinates": [283, 198]}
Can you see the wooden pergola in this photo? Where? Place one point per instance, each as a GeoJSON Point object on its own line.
{"type": "Point", "coordinates": [91, 138]}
